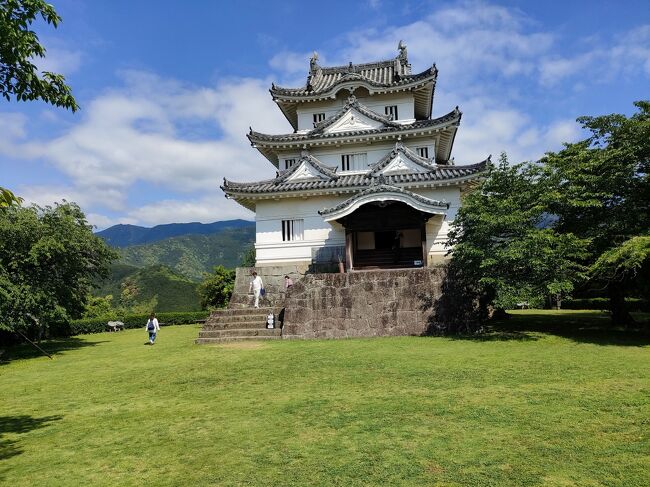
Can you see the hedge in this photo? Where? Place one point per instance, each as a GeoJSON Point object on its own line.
{"type": "Point", "coordinates": [633, 304]}
{"type": "Point", "coordinates": [98, 325]}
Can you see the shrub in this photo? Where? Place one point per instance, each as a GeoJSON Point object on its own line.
{"type": "Point", "coordinates": [98, 325]}
{"type": "Point", "coordinates": [633, 304]}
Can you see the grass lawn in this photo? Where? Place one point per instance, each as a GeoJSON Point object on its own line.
{"type": "Point", "coordinates": [519, 407]}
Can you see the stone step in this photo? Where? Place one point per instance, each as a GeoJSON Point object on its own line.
{"type": "Point", "coordinates": [238, 318]}
{"type": "Point", "coordinates": [249, 332]}
{"type": "Point", "coordinates": [242, 311]}
{"type": "Point", "coordinates": [207, 341]}
{"type": "Point", "coordinates": [260, 320]}
{"type": "Point", "coordinates": [228, 325]}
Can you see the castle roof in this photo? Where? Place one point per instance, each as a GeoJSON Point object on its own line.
{"type": "Point", "coordinates": [386, 76]}
{"type": "Point", "coordinates": [378, 192]}
{"type": "Point", "coordinates": [310, 176]}
{"type": "Point", "coordinates": [443, 127]}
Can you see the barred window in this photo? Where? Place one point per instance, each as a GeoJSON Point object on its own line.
{"type": "Point", "coordinates": [391, 111]}
{"type": "Point", "coordinates": [318, 117]}
{"type": "Point", "coordinates": [292, 230]}
{"type": "Point", "coordinates": [423, 152]}
{"type": "Point", "coordinates": [289, 163]}
{"type": "Point", "coordinates": [354, 162]}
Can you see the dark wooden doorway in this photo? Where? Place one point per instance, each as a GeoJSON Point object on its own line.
{"type": "Point", "coordinates": [375, 236]}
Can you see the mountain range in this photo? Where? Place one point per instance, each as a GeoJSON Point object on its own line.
{"type": "Point", "coordinates": [126, 235]}
{"type": "Point", "coordinates": [164, 264]}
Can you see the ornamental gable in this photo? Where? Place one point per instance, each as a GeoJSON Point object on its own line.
{"type": "Point", "coordinates": [401, 164]}
{"type": "Point", "coordinates": [305, 171]}
{"type": "Point", "coordinates": [353, 120]}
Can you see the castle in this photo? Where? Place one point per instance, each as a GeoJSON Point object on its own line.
{"type": "Point", "coordinates": [367, 176]}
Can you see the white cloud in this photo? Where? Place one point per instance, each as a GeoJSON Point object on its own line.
{"type": "Point", "coordinates": [59, 57]}
{"type": "Point", "coordinates": [207, 209]}
{"type": "Point", "coordinates": [627, 55]}
{"type": "Point", "coordinates": [12, 129]}
{"type": "Point", "coordinates": [137, 133]}
{"type": "Point", "coordinates": [183, 139]}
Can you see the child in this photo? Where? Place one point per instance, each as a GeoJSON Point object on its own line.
{"type": "Point", "coordinates": [287, 282]}
{"type": "Point", "coordinates": [152, 327]}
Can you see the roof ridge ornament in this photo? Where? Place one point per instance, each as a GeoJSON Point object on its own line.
{"type": "Point", "coordinates": [352, 99]}
{"type": "Point", "coordinates": [313, 62]}
{"type": "Point", "coordinates": [403, 58]}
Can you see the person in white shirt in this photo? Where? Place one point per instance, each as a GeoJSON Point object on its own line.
{"type": "Point", "coordinates": [256, 286]}
{"type": "Point", "coordinates": [152, 327]}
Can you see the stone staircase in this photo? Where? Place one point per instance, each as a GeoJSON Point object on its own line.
{"type": "Point", "coordinates": [232, 324]}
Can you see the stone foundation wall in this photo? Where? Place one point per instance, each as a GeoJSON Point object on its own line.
{"type": "Point", "coordinates": [273, 279]}
{"type": "Point", "coordinates": [369, 304]}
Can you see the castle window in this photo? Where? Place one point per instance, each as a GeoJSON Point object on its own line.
{"type": "Point", "coordinates": [354, 162]}
{"type": "Point", "coordinates": [423, 152]}
{"type": "Point", "coordinates": [292, 230]}
{"type": "Point", "coordinates": [318, 117]}
{"type": "Point", "coordinates": [289, 163]}
{"type": "Point", "coordinates": [391, 112]}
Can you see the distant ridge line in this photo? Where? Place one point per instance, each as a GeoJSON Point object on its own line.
{"type": "Point", "coordinates": [125, 235]}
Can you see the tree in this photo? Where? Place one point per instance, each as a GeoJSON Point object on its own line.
{"type": "Point", "coordinates": [7, 198]}
{"type": "Point", "coordinates": [99, 307]}
{"type": "Point", "coordinates": [248, 258]}
{"type": "Point", "coordinates": [19, 45]}
{"type": "Point", "coordinates": [216, 288]}
{"type": "Point", "coordinates": [600, 190]}
{"type": "Point", "coordinates": [580, 213]}
{"type": "Point", "coordinates": [503, 241]}
{"type": "Point", "coordinates": [49, 259]}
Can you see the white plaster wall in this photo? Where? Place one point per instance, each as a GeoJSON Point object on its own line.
{"type": "Point", "coordinates": [438, 226]}
{"type": "Point", "coordinates": [331, 156]}
{"type": "Point", "coordinates": [317, 232]}
{"type": "Point", "coordinates": [404, 102]}
{"type": "Point", "coordinates": [271, 250]}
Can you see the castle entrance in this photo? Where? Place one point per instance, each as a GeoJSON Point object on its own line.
{"type": "Point", "coordinates": [385, 235]}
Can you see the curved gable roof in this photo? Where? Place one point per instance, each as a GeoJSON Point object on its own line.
{"type": "Point", "coordinates": [400, 149]}
{"type": "Point", "coordinates": [380, 192]}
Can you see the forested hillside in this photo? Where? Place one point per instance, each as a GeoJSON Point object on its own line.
{"type": "Point", "coordinates": [125, 235]}
{"type": "Point", "coordinates": [192, 255]}
{"type": "Point", "coordinates": [151, 288]}
{"type": "Point", "coordinates": [163, 274]}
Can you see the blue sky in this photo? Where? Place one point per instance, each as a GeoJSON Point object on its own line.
{"type": "Point", "coordinates": [168, 89]}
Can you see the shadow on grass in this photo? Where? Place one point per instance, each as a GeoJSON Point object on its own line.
{"type": "Point", "coordinates": [19, 425]}
{"type": "Point", "coordinates": [492, 334]}
{"type": "Point", "coordinates": [584, 327]}
{"type": "Point", "coordinates": [53, 347]}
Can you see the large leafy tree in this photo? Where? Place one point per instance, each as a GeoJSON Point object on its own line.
{"type": "Point", "coordinates": [583, 213]}
{"type": "Point", "coordinates": [216, 288]}
{"type": "Point", "coordinates": [20, 79]}
{"type": "Point", "coordinates": [505, 246]}
{"type": "Point", "coordinates": [49, 259]}
{"type": "Point", "coordinates": [600, 190]}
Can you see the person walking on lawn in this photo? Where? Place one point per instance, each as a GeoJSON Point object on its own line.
{"type": "Point", "coordinates": [152, 327]}
{"type": "Point", "coordinates": [256, 286]}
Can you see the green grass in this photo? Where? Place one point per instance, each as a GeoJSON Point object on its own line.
{"type": "Point", "coordinates": [519, 407]}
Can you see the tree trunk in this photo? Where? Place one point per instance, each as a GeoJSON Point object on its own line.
{"type": "Point", "coordinates": [620, 315]}
{"type": "Point", "coordinates": [558, 301]}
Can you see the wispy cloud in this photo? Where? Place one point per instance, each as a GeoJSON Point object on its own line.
{"type": "Point", "coordinates": [137, 133]}
{"type": "Point", "coordinates": [182, 139]}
